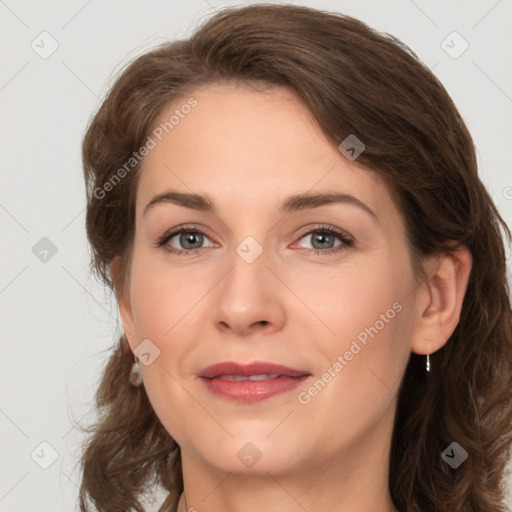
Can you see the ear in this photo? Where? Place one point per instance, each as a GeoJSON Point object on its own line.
{"type": "Point", "coordinates": [123, 301]}
{"type": "Point", "coordinates": [439, 301]}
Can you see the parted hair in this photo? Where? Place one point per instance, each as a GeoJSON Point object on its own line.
{"type": "Point", "coordinates": [353, 80]}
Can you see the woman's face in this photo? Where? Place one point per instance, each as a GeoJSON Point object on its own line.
{"type": "Point", "coordinates": [248, 287]}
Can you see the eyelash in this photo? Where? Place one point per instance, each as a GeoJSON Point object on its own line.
{"type": "Point", "coordinates": [346, 241]}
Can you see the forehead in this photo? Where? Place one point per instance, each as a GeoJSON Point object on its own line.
{"type": "Point", "coordinates": [256, 146]}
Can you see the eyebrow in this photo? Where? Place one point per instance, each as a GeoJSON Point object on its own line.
{"type": "Point", "coordinates": [289, 204]}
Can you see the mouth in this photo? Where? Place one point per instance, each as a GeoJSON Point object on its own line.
{"type": "Point", "coordinates": [239, 378]}
{"type": "Point", "coordinates": [251, 383]}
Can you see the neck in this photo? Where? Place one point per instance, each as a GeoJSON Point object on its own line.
{"type": "Point", "coordinates": [275, 495]}
{"type": "Point", "coordinates": [337, 485]}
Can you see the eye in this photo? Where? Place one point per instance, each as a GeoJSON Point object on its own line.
{"type": "Point", "coordinates": [191, 239]}
{"type": "Point", "coordinates": [324, 237]}
{"type": "Point", "coordinates": [188, 237]}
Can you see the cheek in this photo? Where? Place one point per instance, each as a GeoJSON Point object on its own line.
{"type": "Point", "coordinates": [163, 302]}
{"type": "Point", "coordinates": [363, 358]}
{"type": "Point", "coordinates": [163, 298]}
{"type": "Point", "coordinates": [360, 376]}
{"type": "Point", "coordinates": [360, 304]}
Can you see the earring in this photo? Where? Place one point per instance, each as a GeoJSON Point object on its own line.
{"type": "Point", "coordinates": [135, 374]}
{"type": "Point", "coordinates": [428, 362]}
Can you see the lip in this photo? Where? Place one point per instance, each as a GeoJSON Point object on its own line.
{"type": "Point", "coordinates": [251, 391]}
{"type": "Point", "coordinates": [258, 368]}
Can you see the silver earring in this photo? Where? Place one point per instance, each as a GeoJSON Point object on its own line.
{"type": "Point", "coordinates": [428, 362]}
{"type": "Point", "coordinates": [135, 374]}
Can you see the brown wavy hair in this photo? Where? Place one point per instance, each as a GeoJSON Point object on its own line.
{"type": "Point", "coordinates": [354, 80]}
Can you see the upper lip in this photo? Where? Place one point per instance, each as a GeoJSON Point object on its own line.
{"type": "Point", "coordinates": [259, 368]}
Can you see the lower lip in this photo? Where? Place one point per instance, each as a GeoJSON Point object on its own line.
{"type": "Point", "coordinates": [252, 390]}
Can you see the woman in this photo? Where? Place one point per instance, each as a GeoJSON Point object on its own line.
{"type": "Point", "coordinates": [369, 369]}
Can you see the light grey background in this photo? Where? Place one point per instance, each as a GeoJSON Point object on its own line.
{"type": "Point", "coordinates": [57, 322]}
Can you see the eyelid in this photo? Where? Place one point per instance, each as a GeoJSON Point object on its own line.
{"type": "Point", "coordinates": [327, 227]}
{"type": "Point", "coordinates": [184, 227]}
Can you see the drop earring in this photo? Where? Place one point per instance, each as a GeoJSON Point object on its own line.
{"type": "Point", "coordinates": [135, 374]}
{"type": "Point", "coordinates": [428, 362]}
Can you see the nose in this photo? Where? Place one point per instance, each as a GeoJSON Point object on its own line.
{"type": "Point", "coordinates": [250, 299]}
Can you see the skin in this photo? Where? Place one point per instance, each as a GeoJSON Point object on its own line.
{"type": "Point", "coordinates": [248, 150]}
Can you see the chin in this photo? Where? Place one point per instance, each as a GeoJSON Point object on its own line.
{"type": "Point", "coordinates": [253, 454]}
